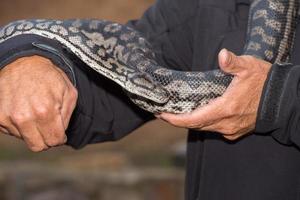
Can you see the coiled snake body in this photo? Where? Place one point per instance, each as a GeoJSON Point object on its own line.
{"type": "Point", "coordinates": [124, 55]}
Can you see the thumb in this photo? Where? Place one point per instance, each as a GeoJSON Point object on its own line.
{"type": "Point", "coordinates": [229, 62]}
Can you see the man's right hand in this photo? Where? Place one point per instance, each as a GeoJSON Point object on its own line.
{"type": "Point", "coordinates": [36, 102]}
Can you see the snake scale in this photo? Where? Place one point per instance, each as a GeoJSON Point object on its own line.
{"type": "Point", "coordinates": [123, 55]}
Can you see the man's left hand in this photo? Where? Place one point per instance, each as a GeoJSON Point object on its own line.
{"type": "Point", "coordinates": [234, 113]}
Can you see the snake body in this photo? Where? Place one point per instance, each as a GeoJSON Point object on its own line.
{"type": "Point", "coordinates": [123, 55]}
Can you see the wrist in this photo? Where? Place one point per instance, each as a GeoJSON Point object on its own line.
{"type": "Point", "coordinates": [30, 45]}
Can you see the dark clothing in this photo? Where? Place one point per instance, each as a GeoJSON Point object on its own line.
{"type": "Point", "coordinates": [187, 35]}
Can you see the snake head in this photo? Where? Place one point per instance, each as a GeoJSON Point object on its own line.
{"type": "Point", "coordinates": [141, 84]}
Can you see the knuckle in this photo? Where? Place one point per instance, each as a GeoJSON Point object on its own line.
{"type": "Point", "coordinates": [57, 106]}
{"type": "Point", "coordinates": [38, 148]}
{"type": "Point", "coordinates": [193, 125]}
{"type": "Point", "coordinates": [233, 60]}
{"type": "Point", "coordinates": [73, 96]}
{"type": "Point", "coordinates": [55, 141]}
{"type": "Point", "coordinates": [230, 138]}
{"type": "Point", "coordinates": [234, 137]}
{"type": "Point", "coordinates": [74, 93]}
{"type": "Point", "coordinates": [51, 142]}
{"type": "Point", "coordinates": [231, 109]}
{"type": "Point", "coordinates": [20, 118]}
{"type": "Point", "coordinates": [228, 111]}
{"type": "Point", "coordinates": [228, 132]}
{"type": "Point", "coordinates": [42, 111]}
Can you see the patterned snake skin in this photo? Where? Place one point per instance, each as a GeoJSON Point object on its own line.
{"type": "Point", "coordinates": [124, 56]}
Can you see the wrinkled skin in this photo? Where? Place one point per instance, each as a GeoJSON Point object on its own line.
{"type": "Point", "coordinates": [36, 102]}
{"type": "Point", "coordinates": [234, 113]}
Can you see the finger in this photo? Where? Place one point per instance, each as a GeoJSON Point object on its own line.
{"type": "Point", "coordinates": [221, 127]}
{"type": "Point", "coordinates": [4, 130]}
{"type": "Point", "coordinates": [68, 106]}
{"type": "Point", "coordinates": [232, 137]}
{"type": "Point", "coordinates": [69, 100]}
{"type": "Point", "coordinates": [8, 128]}
{"type": "Point", "coordinates": [230, 63]}
{"type": "Point", "coordinates": [199, 118]}
{"type": "Point", "coordinates": [52, 131]}
{"type": "Point", "coordinates": [32, 136]}
{"type": "Point", "coordinates": [211, 128]}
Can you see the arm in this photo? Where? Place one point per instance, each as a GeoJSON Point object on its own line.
{"type": "Point", "coordinates": [103, 112]}
{"type": "Point", "coordinates": [247, 112]}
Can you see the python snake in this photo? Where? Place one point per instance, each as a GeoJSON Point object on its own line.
{"type": "Point", "coordinates": [123, 55]}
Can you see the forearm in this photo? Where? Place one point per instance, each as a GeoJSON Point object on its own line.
{"type": "Point", "coordinates": [103, 111]}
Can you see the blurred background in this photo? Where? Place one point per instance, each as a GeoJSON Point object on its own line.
{"type": "Point", "coordinates": [146, 165]}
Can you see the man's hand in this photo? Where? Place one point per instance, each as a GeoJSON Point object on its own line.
{"type": "Point", "coordinates": [36, 102]}
{"type": "Point", "coordinates": [234, 113]}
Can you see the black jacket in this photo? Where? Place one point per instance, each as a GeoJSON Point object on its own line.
{"type": "Point", "coordinates": [187, 35]}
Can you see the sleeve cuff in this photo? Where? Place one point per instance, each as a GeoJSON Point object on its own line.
{"type": "Point", "coordinates": [279, 112]}
{"type": "Point", "coordinates": [29, 45]}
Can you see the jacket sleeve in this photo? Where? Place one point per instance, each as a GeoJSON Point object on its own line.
{"type": "Point", "coordinates": [279, 109]}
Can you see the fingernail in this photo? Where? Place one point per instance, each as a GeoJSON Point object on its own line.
{"type": "Point", "coordinates": [224, 50]}
{"type": "Point", "coordinates": [226, 57]}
